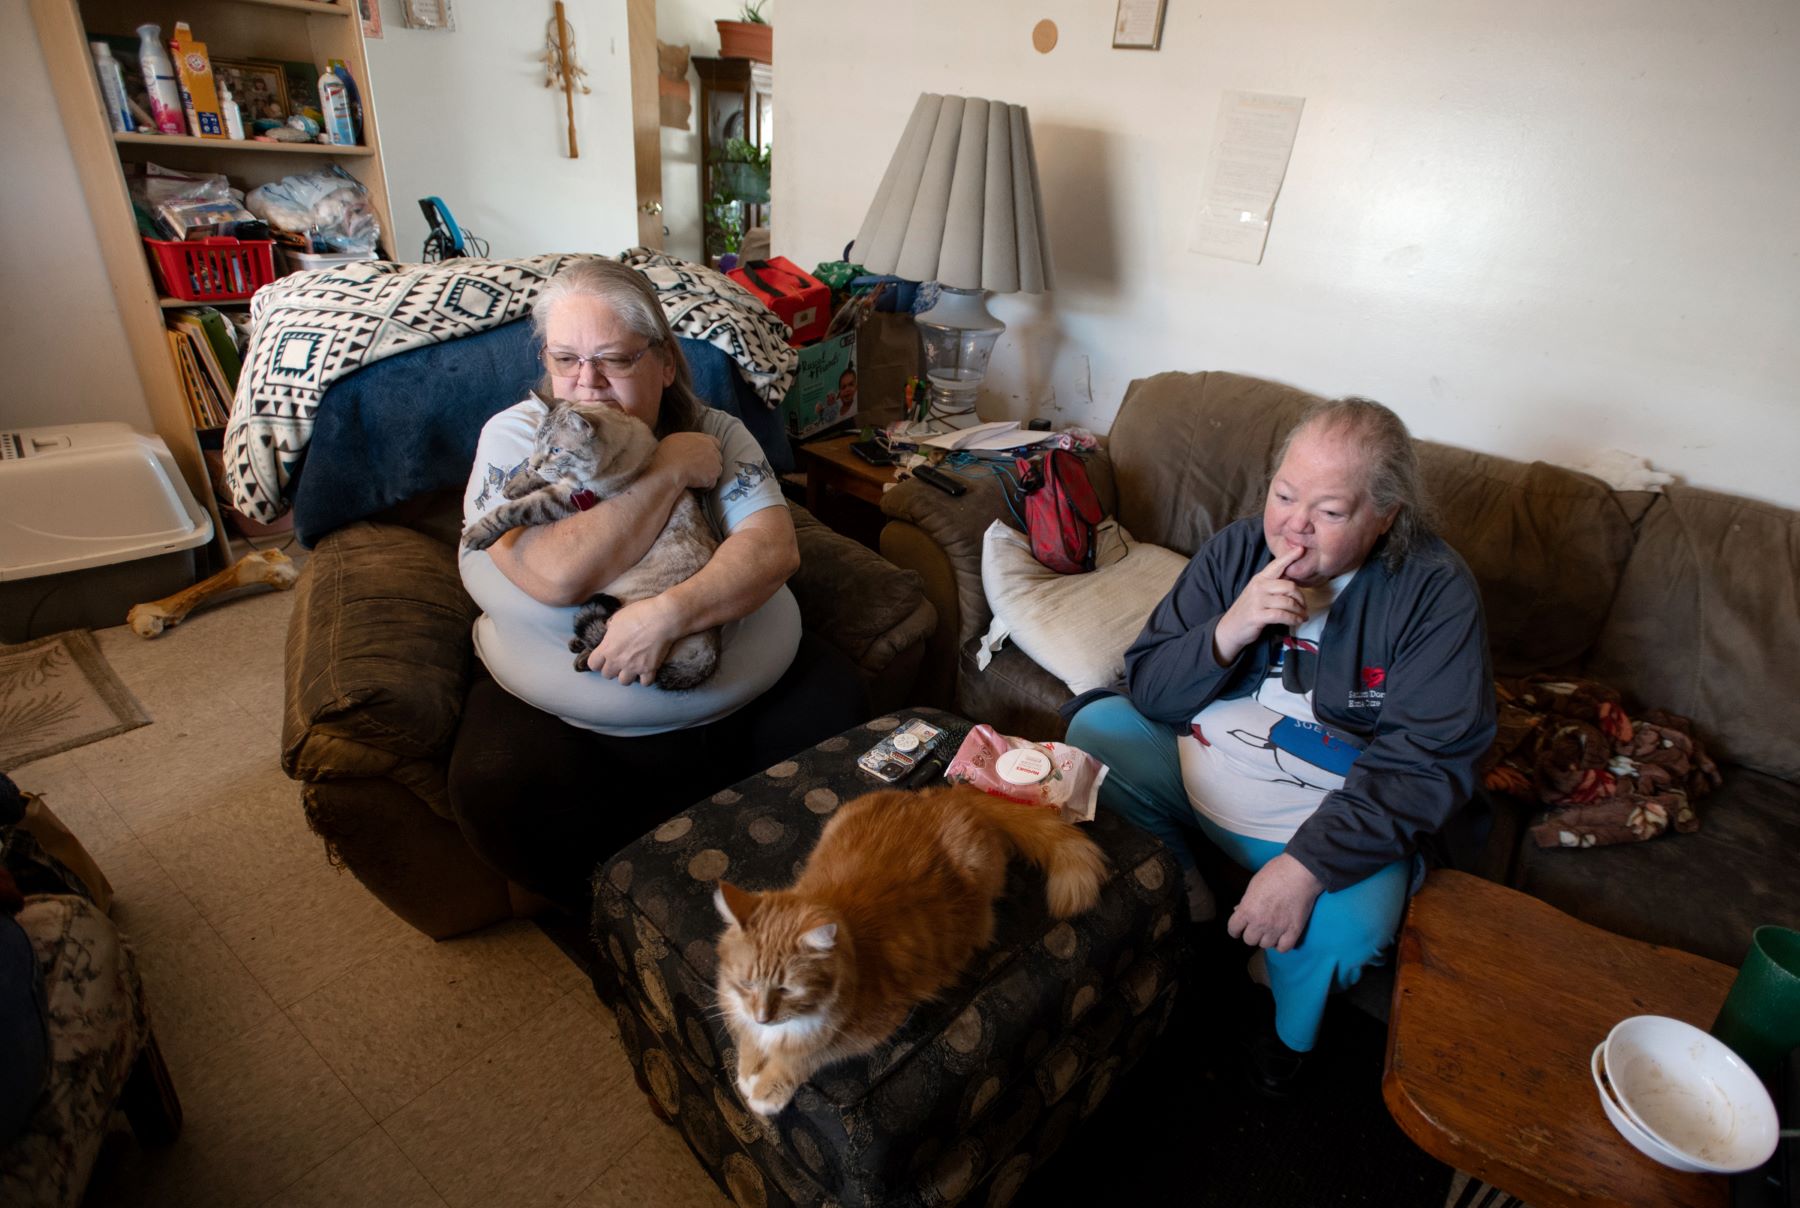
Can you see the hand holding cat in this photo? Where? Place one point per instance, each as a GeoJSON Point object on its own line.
{"type": "Point", "coordinates": [1274, 910]}
{"type": "Point", "coordinates": [1268, 599]}
{"type": "Point", "coordinates": [637, 641]}
{"type": "Point", "coordinates": [692, 457]}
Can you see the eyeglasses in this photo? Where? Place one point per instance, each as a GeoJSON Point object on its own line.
{"type": "Point", "coordinates": [608, 365]}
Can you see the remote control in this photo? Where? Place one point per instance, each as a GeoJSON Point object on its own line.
{"type": "Point", "coordinates": [940, 480]}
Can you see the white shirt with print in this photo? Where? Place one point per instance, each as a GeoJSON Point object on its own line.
{"type": "Point", "coordinates": [525, 644]}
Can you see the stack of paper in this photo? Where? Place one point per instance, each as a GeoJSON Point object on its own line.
{"type": "Point", "coordinates": [999, 436]}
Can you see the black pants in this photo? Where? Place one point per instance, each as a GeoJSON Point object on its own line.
{"type": "Point", "coordinates": [545, 802]}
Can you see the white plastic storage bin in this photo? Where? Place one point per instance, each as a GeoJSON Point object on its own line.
{"type": "Point", "coordinates": [93, 519]}
{"type": "Point", "coordinates": [300, 262]}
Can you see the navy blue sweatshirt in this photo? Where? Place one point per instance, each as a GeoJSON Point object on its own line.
{"type": "Point", "coordinates": [1404, 677]}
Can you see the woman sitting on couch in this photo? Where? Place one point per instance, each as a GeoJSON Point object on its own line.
{"type": "Point", "coordinates": [554, 770]}
{"type": "Point", "coordinates": [1312, 696]}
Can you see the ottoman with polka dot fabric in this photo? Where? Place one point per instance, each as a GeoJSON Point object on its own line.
{"type": "Point", "coordinates": [972, 1093]}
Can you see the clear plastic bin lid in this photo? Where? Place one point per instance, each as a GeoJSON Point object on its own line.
{"type": "Point", "coordinates": [84, 495]}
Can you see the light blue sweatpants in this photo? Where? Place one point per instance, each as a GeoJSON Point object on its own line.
{"type": "Point", "coordinates": [1349, 930]}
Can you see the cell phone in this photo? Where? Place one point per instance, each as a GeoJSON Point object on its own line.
{"type": "Point", "coordinates": [873, 452]}
{"type": "Point", "coordinates": [899, 753]}
{"type": "Point", "coordinates": [940, 480]}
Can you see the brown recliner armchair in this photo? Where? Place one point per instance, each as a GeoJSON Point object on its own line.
{"type": "Point", "coordinates": [379, 659]}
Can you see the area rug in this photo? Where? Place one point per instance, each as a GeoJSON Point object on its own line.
{"type": "Point", "coordinates": [57, 693]}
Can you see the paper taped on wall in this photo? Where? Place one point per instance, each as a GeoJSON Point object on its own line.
{"type": "Point", "coordinates": [1251, 143]}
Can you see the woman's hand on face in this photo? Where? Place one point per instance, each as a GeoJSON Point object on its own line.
{"type": "Point", "coordinates": [637, 641]}
{"type": "Point", "coordinates": [1268, 599]}
{"type": "Point", "coordinates": [692, 457]}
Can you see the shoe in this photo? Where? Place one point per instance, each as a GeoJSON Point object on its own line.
{"type": "Point", "coordinates": [1274, 1070]}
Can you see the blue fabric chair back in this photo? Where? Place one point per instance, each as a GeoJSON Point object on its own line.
{"type": "Point", "coordinates": [408, 423]}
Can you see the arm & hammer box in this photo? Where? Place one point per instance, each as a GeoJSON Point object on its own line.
{"type": "Point", "coordinates": [824, 389]}
{"type": "Point", "coordinates": [193, 69]}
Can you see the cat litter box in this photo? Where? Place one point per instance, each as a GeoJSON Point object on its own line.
{"type": "Point", "coordinates": [93, 519]}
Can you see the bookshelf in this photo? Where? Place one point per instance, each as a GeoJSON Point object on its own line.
{"type": "Point", "coordinates": [280, 30]}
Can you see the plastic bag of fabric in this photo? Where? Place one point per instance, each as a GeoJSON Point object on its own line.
{"type": "Point", "coordinates": [330, 207]}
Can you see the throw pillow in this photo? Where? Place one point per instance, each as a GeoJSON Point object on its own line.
{"type": "Point", "coordinates": [1074, 626]}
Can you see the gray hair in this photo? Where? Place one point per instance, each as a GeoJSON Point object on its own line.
{"type": "Point", "coordinates": [631, 298]}
{"type": "Point", "coordinates": [1394, 482]}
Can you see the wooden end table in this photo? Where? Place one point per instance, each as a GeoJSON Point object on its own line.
{"type": "Point", "coordinates": [834, 475]}
{"type": "Point", "coordinates": [1499, 1000]}
{"type": "Point", "coordinates": [831, 466]}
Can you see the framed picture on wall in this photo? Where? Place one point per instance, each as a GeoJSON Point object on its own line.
{"type": "Point", "coordinates": [1138, 25]}
{"type": "Point", "coordinates": [259, 88]}
{"type": "Point", "coordinates": [371, 17]}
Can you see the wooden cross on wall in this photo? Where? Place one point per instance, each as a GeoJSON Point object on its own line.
{"type": "Point", "coordinates": [561, 69]}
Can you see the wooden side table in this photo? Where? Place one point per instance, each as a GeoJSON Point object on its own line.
{"type": "Point", "coordinates": [1499, 1000]}
{"type": "Point", "coordinates": [832, 468]}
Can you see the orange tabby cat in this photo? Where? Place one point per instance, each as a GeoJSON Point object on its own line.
{"type": "Point", "coordinates": [893, 902]}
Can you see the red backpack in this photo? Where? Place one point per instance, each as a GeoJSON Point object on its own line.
{"type": "Point", "coordinates": [1061, 511]}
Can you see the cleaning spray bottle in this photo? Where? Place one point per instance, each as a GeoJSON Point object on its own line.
{"type": "Point", "coordinates": [112, 87]}
{"type": "Point", "coordinates": [334, 104]}
{"type": "Point", "coordinates": [160, 82]}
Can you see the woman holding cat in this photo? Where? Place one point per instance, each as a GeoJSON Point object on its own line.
{"type": "Point", "coordinates": [552, 770]}
{"type": "Point", "coordinates": [1312, 696]}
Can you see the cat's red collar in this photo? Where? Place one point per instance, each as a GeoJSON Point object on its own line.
{"type": "Point", "coordinates": [584, 499]}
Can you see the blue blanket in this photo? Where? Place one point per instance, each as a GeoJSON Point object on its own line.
{"type": "Point", "coordinates": [408, 424]}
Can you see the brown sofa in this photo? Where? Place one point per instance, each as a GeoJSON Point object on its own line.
{"type": "Point", "coordinates": [379, 659]}
{"type": "Point", "coordinates": [1688, 600]}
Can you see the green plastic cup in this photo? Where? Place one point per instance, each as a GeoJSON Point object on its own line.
{"type": "Point", "coordinates": [1760, 1020]}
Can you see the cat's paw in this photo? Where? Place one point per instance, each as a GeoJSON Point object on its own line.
{"type": "Point", "coordinates": [479, 536]}
{"type": "Point", "coordinates": [763, 1093]}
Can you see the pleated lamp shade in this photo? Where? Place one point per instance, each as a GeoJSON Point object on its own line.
{"type": "Point", "coordinates": [960, 202]}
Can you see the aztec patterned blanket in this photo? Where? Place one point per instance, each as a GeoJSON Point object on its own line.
{"type": "Point", "coordinates": [310, 329]}
{"type": "Point", "coordinates": [1606, 778]}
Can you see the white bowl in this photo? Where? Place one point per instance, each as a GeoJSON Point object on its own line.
{"type": "Point", "coordinates": [1691, 1094]}
{"type": "Point", "coordinates": [1643, 1142]}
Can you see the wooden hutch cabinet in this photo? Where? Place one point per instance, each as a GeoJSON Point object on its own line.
{"type": "Point", "coordinates": [736, 101]}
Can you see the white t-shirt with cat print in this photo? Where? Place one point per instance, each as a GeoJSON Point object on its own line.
{"type": "Point", "coordinates": [525, 644]}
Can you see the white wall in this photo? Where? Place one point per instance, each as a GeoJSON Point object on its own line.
{"type": "Point", "coordinates": [61, 341]}
{"type": "Point", "coordinates": [1538, 230]}
{"type": "Point", "coordinates": [464, 115]}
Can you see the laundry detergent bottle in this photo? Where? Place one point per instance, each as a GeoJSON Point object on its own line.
{"type": "Point", "coordinates": [160, 82]}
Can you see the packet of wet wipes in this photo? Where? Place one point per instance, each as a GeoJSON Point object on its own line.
{"type": "Point", "coordinates": [1048, 774]}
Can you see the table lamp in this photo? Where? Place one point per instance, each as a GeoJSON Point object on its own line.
{"type": "Point", "coordinates": [960, 205]}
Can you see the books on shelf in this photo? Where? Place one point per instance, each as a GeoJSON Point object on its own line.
{"type": "Point", "coordinates": [207, 362]}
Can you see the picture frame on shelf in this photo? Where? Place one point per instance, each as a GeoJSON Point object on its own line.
{"type": "Point", "coordinates": [257, 85]}
{"type": "Point", "coordinates": [302, 89]}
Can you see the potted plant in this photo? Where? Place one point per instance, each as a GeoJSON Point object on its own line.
{"type": "Point", "coordinates": [749, 37]}
{"type": "Point", "coordinates": [740, 178]}
{"type": "Point", "coordinates": [741, 172]}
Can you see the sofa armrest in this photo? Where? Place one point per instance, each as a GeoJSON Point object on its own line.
{"type": "Point", "coordinates": [955, 524]}
{"type": "Point", "coordinates": [855, 599]}
{"type": "Point", "coordinates": [378, 659]}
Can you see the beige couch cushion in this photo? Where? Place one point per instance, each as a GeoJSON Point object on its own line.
{"type": "Point", "coordinates": [1075, 626]}
{"type": "Point", "coordinates": [1707, 624]}
{"type": "Point", "coordinates": [1191, 452]}
{"type": "Point", "coordinates": [1547, 545]}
